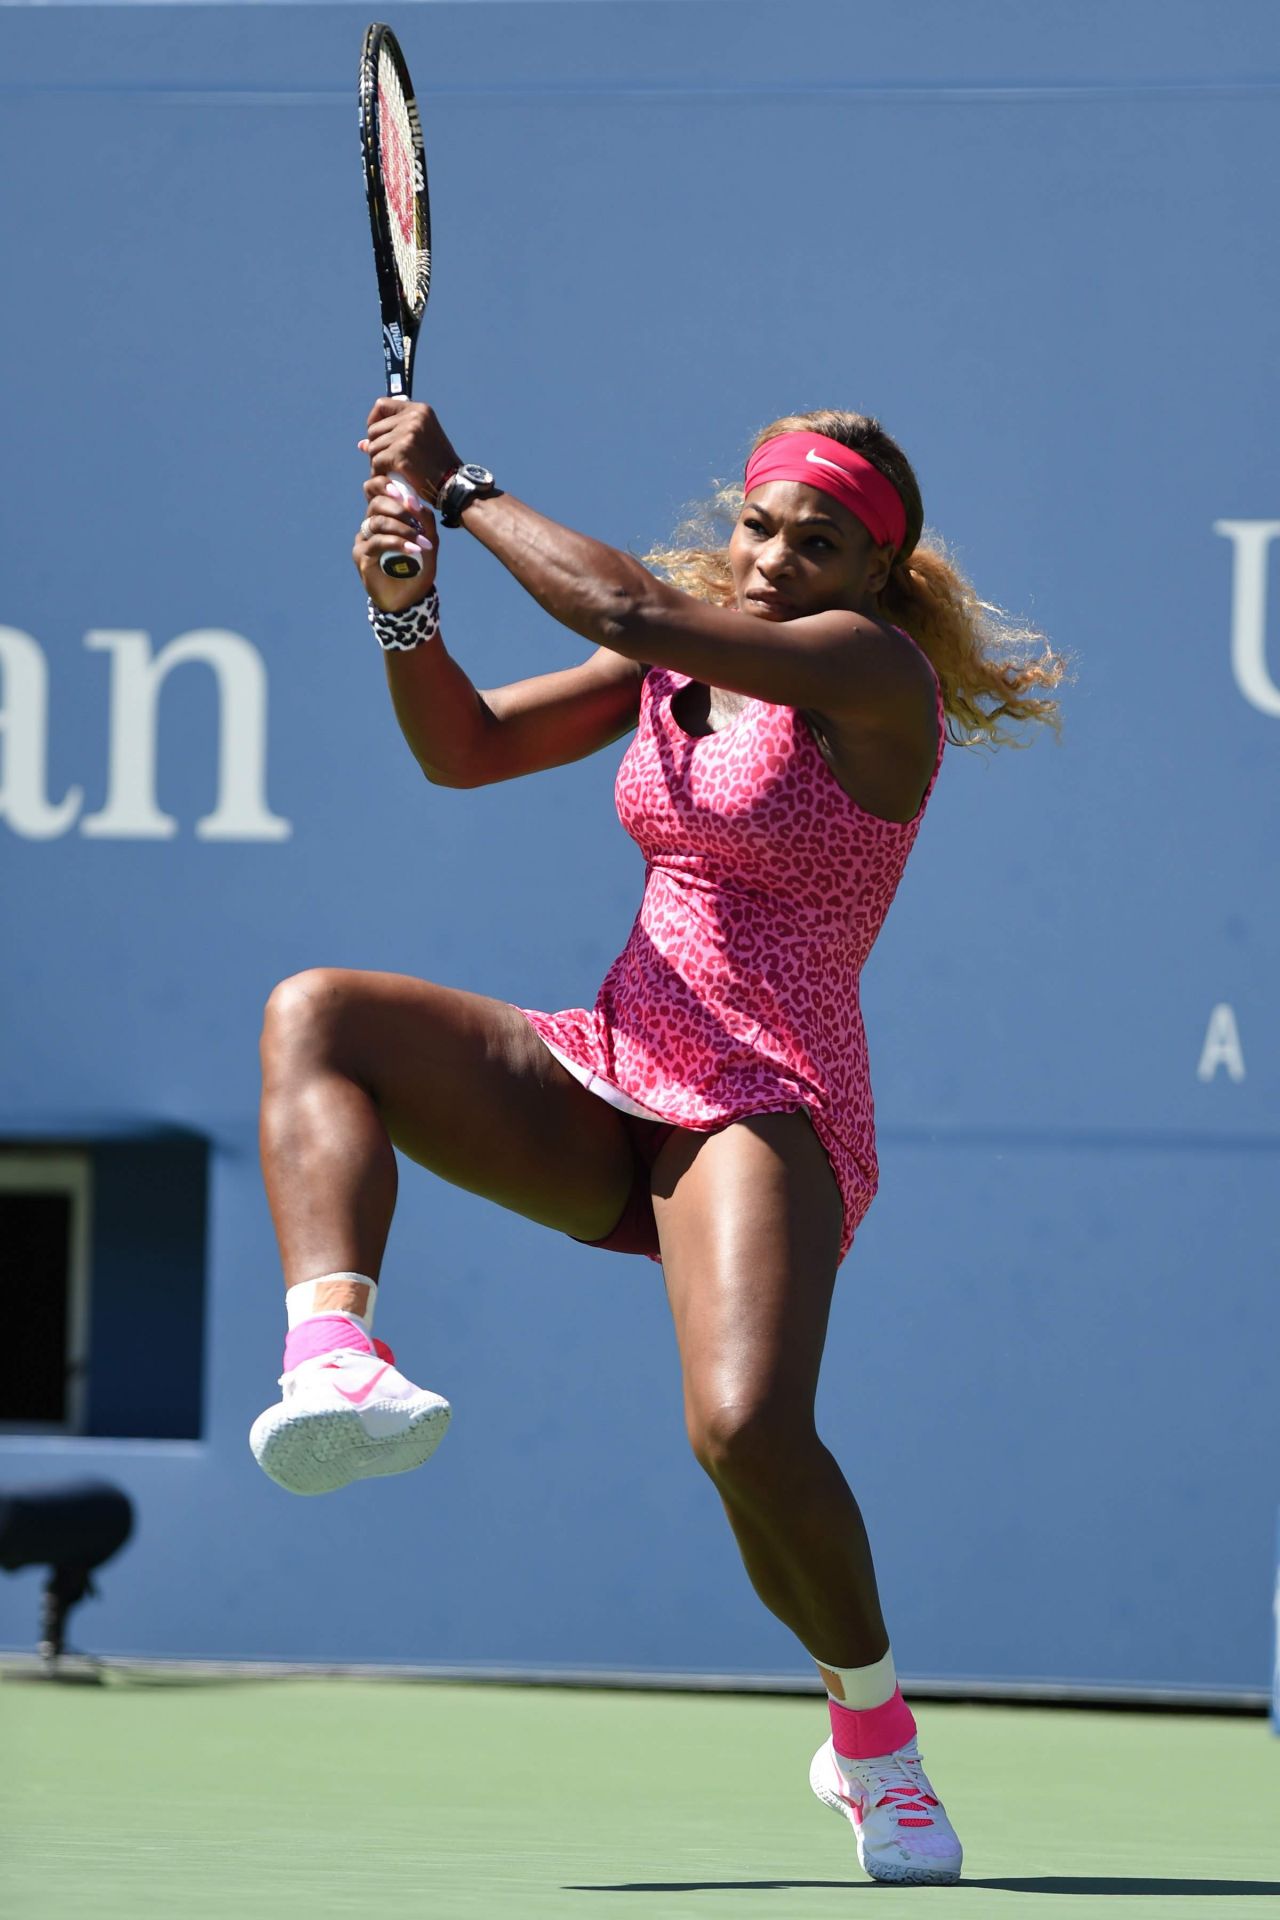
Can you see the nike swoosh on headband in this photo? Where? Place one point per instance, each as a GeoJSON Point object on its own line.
{"type": "Point", "coordinates": [818, 461]}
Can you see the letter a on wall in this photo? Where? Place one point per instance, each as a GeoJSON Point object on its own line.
{"type": "Point", "coordinates": [1221, 1046]}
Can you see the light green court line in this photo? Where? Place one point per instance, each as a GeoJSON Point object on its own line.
{"type": "Point", "coordinates": [298, 1800]}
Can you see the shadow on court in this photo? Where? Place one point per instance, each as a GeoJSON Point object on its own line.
{"type": "Point", "coordinates": [1073, 1883]}
{"type": "Point", "coordinates": [718, 1886]}
{"type": "Point", "coordinates": [1049, 1883]}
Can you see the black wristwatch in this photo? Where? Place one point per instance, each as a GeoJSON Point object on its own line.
{"type": "Point", "coordinates": [463, 485]}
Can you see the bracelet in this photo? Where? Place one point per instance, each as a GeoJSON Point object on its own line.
{"type": "Point", "coordinates": [401, 632]}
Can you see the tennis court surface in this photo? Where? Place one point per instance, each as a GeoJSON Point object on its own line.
{"type": "Point", "coordinates": [268, 1799]}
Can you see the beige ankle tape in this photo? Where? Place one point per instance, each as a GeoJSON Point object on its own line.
{"type": "Point", "coordinates": [333, 1293]}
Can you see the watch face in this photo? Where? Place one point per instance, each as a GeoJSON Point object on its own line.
{"type": "Point", "coordinates": [479, 476]}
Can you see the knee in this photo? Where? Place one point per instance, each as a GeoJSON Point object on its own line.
{"type": "Point", "coordinates": [753, 1449]}
{"type": "Point", "coordinates": [302, 1014]}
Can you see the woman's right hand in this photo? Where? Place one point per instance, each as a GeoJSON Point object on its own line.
{"type": "Point", "coordinates": [389, 526]}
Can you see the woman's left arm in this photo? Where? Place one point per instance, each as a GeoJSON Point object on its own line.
{"type": "Point", "coordinates": [833, 663]}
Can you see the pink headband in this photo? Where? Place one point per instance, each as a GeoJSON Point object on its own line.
{"type": "Point", "coordinates": [836, 469]}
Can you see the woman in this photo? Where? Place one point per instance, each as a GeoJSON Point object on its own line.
{"type": "Point", "coordinates": [791, 696]}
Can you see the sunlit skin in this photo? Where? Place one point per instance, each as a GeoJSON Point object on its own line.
{"type": "Point", "coordinates": [749, 1217]}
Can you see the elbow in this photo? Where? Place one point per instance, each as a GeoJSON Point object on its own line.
{"type": "Point", "coordinates": [625, 612]}
{"type": "Point", "coordinates": [456, 777]}
{"type": "Point", "coordinates": [468, 755]}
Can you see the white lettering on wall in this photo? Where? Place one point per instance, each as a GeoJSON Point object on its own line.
{"type": "Point", "coordinates": [137, 676]}
{"type": "Point", "coordinates": [1251, 541]}
{"type": "Point", "coordinates": [131, 812]}
{"type": "Point", "coordinates": [24, 739]}
{"type": "Point", "coordinates": [1221, 1046]}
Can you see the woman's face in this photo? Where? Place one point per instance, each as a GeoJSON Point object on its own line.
{"type": "Point", "coordinates": [795, 550]}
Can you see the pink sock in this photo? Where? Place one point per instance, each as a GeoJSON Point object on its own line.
{"type": "Point", "coordinates": [866, 1733]}
{"type": "Point", "coordinates": [321, 1334]}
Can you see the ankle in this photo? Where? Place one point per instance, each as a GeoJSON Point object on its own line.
{"type": "Point", "coordinates": [325, 1333]}
{"type": "Point", "coordinates": [866, 1733]}
{"type": "Point", "coordinates": [862, 1686]}
{"type": "Point", "coordinates": [352, 1294]}
{"type": "Point", "coordinates": [869, 1716]}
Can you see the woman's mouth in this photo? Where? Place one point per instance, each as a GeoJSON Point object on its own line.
{"type": "Point", "coordinates": [768, 601]}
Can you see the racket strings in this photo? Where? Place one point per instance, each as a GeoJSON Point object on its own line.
{"type": "Point", "coordinates": [398, 141]}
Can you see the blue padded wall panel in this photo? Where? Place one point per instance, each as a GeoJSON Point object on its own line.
{"type": "Point", "coordinates": [1031, 241]}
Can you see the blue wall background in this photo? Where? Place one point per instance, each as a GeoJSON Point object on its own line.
{"type": "Point", "coordinates": [1035, 242]}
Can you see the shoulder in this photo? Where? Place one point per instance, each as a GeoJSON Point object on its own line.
{"type": "Point", "coordinates": [609, 676]}
{"type": "Point", "coordinates": [882, 744]}
{"type": "Point", "coordinates": [889, 680]}
{"type": "Point", "coordinates": [608, 668]}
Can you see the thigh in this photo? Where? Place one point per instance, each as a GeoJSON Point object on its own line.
{"type": "Point", "coordinates": [749, 1223]}
{"type": "Point", "coordinates": [466, 1088]}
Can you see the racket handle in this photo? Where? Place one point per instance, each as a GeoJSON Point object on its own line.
{"type": "Point", "coordinates": [403, 566]}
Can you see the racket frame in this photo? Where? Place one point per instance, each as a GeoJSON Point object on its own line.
{"type": "Point", "coordinates": [401, 318]}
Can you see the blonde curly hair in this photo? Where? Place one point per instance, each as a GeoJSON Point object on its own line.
{"type": "Point", "coordinates": [994, 671]}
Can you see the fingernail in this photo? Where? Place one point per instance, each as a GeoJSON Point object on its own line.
{"type": "Point", "coordinates": [428, 546]}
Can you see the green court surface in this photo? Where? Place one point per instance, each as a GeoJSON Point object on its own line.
{"type": "Point", "coordinates": [270, 1799]}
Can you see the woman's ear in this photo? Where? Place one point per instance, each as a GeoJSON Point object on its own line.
{"type": "Point", "coordinates": [881, 567]}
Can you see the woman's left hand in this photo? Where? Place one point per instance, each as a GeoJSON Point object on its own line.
{"type": "Point", "coordinates": [405, 437]}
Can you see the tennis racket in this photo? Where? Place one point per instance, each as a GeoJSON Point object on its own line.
{"type": "Point", "coordinates": [395, 178]}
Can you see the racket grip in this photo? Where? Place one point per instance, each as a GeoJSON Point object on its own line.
{"type": "Point", "coordinates": [403, 566]}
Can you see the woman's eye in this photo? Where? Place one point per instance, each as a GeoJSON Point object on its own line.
{"type": "Point", "coordinates": [753, 526]}
{"type": "Point", "coordinates": [817, 540]}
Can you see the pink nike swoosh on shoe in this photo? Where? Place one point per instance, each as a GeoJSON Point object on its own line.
{"type": "Point", "coordinates": [362, 1393]}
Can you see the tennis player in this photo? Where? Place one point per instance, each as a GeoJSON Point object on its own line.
{"type": "Point", "coordinates": [790, 695]}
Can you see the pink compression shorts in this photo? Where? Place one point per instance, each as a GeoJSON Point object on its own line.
{"type": "Point", "coordinates": [636, 1230]}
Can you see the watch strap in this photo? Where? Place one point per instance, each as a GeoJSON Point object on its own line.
{"type": "Point", "coordinates": [459, 488]}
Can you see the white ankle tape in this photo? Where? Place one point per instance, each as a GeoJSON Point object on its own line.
{"type": "Point", "coordinates": [308, 1298]}
{"type": "Point", "coordinates": [861, 1687]}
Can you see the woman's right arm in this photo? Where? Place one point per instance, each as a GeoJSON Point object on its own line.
{"type": "Point", "coordinates": [460, 736]}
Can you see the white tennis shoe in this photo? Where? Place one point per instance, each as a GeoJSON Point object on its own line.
{"type": "Point", "coordinates": [346, 1415]}
{"type": "Point", "coordinates": [901, 1827]}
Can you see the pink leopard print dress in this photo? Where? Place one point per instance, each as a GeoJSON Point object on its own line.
{"type": "Point", "coordinates": [765, 889]}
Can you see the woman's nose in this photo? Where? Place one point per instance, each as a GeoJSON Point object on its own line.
{"type": "Point", "coordinates": [774, 560]}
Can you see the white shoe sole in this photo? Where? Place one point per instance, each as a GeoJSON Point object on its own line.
{"type": "Point", "coordinates": [320, 1451]}
{"type": "Point", "coordinates": [888, 1872]}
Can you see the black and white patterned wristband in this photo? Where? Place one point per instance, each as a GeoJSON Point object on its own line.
{"type": "Point", "coordinates": [401, 632]}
